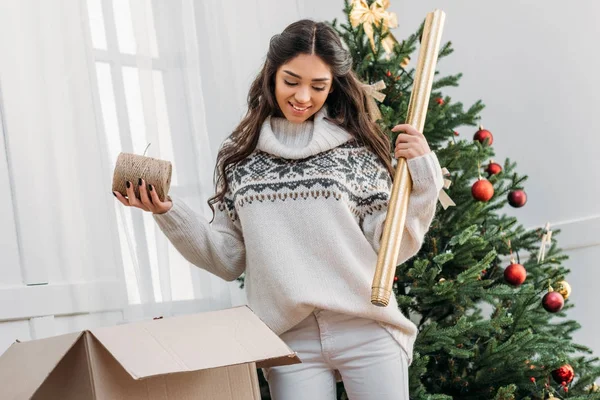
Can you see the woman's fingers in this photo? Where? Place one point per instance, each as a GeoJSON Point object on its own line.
{"type": "Point", "coordinates": [133, 201]}
{"type": "Point", "coordinates": [406, 152]}
{"type": "Point", "coordinates": [144, 195]}
{"type": "Point", "coordinates": [406, 139]}
{"type": "Point", "coordinates": [121, 199]}
{"type": "Point", "coordinates": [160, 207]}
{"type": "Point", "coordinates": [148, 200]}
{"type": "Point", "coordinates": [410, 144]}
{"type": "Point", "coordinates": [407, 128]}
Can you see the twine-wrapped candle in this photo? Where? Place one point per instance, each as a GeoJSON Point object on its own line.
{"type": "Point", "coordinates": [132, 167]}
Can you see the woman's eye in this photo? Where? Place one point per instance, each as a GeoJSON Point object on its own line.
{"type": "Point", "coordinates": [296, 84]}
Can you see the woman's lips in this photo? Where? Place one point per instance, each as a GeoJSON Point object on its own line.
{"type": "Point", "coordinates": [298, 110]}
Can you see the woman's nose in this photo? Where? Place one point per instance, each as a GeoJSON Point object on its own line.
{"type": "Point", "coordinates": [302, 95]}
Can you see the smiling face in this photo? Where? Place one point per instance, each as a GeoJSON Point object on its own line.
{"type": "Point", "coordinates": [302, 86]}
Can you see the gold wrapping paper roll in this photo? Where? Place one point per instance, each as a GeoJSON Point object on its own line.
{"type": "Point", "coordinates": [132, 167]}
{"type": "Point", "coordinates": [381, 290]}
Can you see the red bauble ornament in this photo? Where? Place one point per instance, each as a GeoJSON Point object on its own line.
{"type": "Point", "coordinates": [440, 101]}
{"type": "Point", "coordinates": [553, 302]}
{"type": "Point", "coordinates": [493, 168]}
{"type": "Point", "coordinates": [388, 74]}
{"type": "Point", "coordinates": [482, 190]}
{"type": "Point", "coordinates": [517, 198]}
{"type": "Point", "coordinates": [515, 274]}
{"type": "Point", "coordinates": [455, 133]}
{"type": "Point", "coordinates": [566, 373]}
{"type": "Point", "coordinates": [483, 134]}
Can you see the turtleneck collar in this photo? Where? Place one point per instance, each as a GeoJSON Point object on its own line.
{"type": "Point", "coordinates": [282, 138]}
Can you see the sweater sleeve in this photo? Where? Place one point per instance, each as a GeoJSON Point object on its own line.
{"type": "Point", "coordinates": [217, 247]}
{"type": "Point", "coordinates": [427, 179]}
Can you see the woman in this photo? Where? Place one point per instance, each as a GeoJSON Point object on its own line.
{"type": "Point", "coordinates": [302, 188]}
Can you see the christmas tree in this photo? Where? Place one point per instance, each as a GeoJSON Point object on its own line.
{"type": "Point", "coordinates": [488, 296]}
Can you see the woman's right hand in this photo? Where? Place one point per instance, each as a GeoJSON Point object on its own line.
{"type": "Point", "coordinates": [149, 199]}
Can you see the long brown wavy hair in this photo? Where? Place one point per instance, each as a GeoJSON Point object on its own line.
{"type": "Point", "coordinates": [346, 104]}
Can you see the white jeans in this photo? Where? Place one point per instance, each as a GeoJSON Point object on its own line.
{"type": "Point", "coordinates": [371, 363]}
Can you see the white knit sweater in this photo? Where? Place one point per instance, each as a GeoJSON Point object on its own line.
{"type": "Point", "coordinates": [303, 217]}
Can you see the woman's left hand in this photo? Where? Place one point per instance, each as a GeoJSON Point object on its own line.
{"type": "Point", "coordinates": [411, 144]}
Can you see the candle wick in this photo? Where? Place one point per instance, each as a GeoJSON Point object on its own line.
{"type": "Point", "coordinates": [146, 149]}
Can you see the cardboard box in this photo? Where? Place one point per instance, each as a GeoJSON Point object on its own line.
{"type": "Point", "coordinates": [206, 356]}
